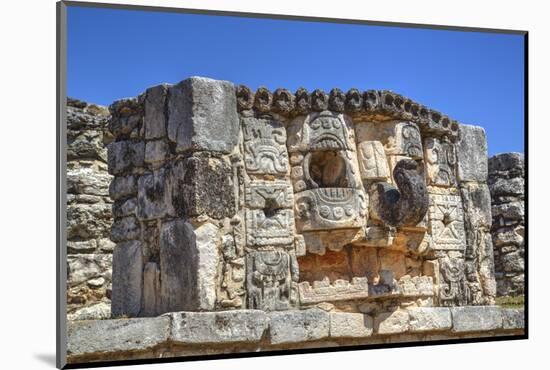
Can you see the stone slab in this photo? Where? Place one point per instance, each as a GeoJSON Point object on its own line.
{"type": "Point", "coordinates": [392, 322]}
{"type": "Point", "coordinates": [298, 326]}
{"type": "Point", "coordinates": [350, 325]}
{"type": "Point", "coordinates": [127, 279]}
{"type": "Point", "coordinates": [218, 327]}
{"type": "Point", "coordinates": [472, 154]}
{"type": "Point", "coordinates": [476, 318]}
{"type": "Point", "coordinates": [111, 336]}
{"type": "Point", "coordinates": [513, 318]}
{"type": "Point", "coordinates": [429, 319]}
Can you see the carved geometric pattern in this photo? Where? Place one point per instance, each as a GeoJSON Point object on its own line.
{"type": "Point", "coordinates": [264, 146]}
{"type": "Point", "coordinates": [446, 219]}
{"type": "Point", "coordinates": [268, 194]}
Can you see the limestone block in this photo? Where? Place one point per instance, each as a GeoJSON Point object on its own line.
{"type": "Point", "coordinates": [203, 185]}
{"type": "Point", "coordinates": [154, 198]}
{"type": "Point", "coordinates": [440, 158]}
{"type": "Point", "coordinates": [507, 187]}
{"type": "Point", "coordinates": [122, 186]}
{"type": "Point", "coordinates": [513, 318]}
{"type": "Point", "coordinates": [86, 144]}
{"type": "Point", "coordinates": [350, 325]}
{"type": "Point", "coordinates": [218, 327]}
{"type": "Point", "coordinates": [373, 163]}
{"type": "Point", "coordinates": [126, 228]}
{"type": "Point", "coordinates": [504, 162]}
{"type": "Point", "coordinates": [472, 154]}
{"type": "Point", "coordinates": [156, 151]}
{"type": "Point", "coordinates": [99, 311]}
{"type": "Point", "coordinates": [151, 290]}
{"type": "Point", "coordinates": [397, 137]}
{"type": "Point", "coordinates": [86, 221]}
{"type": "Point", "coordinates": [155, 108]}
{"type": "Point", "coordinates": [203, 115]}
{"type": "Point", "coordinates": [188, 264]}
{"type": "Point", "coordinates": [429, 319]}
{"type": "Point", "coordinates": [298, 326]}
{"type": "Point", "coordinates": [476, 200]}
{"type": "Point", "coordinates": [126, 116]}
{"type": "Point", "coordinates": [507, 236]}
{"type": "Point", "coordinates": [124, 155]}
{"type": "Point", "coordinates": [476, 318]}
{"type": "Point", "coordinates": [108, 336]}
{"type": "Point", "coordinates": [85, 267]}
{"type": "Point", "coordinates": [87, 180]}
{"type": "Point", "coordinates": [510, 211]}
{"type": "Point", "coordinates": [392, 322]}
{"type": "Point", "coordinates": [127, 279]}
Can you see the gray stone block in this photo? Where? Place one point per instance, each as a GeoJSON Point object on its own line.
{"type": "Point", "coordinates": [477, 204]}
{"type": "Point", "coordinates": [392, 322]}
{"type": "Point", "coordinates": [510, 211]}
{"type": "Point", "coordinates": [507, 187]}
{"type": "Point", "coordinates": [127, 279]}
{"type": "Point", "coordinates": [350, 325]}
{"type": "Point", "coordinates": [125, 207]}
{"type": "Point", "coordinates": [298, 326]}
{"type": "Point", "coordinates": [188, 264]}
{"type": "Point", "coordinates": [156, 151]}
{"type": "Point", "coordinates": [203, 185]}
{"type": "Point", "coordinates": [513, 318]}
{"type": "Point", "coordinates": [203, 115]}
{"type": "Point", "coordinates": [122, 187]}
{"type": "Point", "coordinates": [151, 290]}
{"type": "Point", "coordinates": [110, 336]}
{"type": "Point", "coordinates": [476, 318]}
{"type": "Point", "coordinates": [472, 154]}
{"type": "Point", "coordinates": [125, 155]}
{"type": "Point", "coordinates": [507, 162]}
{"type": "Point", "coordinates": [218, 327]}
{"type": "Point", "coordinates": [155, 112]}
{"type": "Point", "coordinates": [429, 319]}
{"type": "Point", "coordinates": [154, 196]}
{"type": "Point", "coordinates": [126, 228]}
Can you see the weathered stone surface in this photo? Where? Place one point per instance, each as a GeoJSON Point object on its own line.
{"type": "Point", "coordinates": [502, 186]}
{"type": "Point", "coordinates": [85, 221]}
{"type": "Point", "coordinates": [472, 154]}
{"type": "Point", "coordinates": [123, 186]}
{"type": "Point", "coordinates": [104, 336]}
{"type": "Point", "coordinates": [350, 325]}
{"type": "Point", "coordinates": [99, 311]}
{"type": "Point", "coordinates": [298, 326]}
{"type": "Point", "coordinates": [203, 185]}
{"type": "Point", "coordinates": [476, 318]}
{"type": "Point", "coordinates": [391, 322]}
{"type": "Point", "coordinates": [429, 319]}
{"type": "Point", "coordinates": [510, 211]}
{"type": "Point", "coordinates": [397, 137]}
{"type": "Point", "coordinates": [86, 144]}
{"type": "Point", "coordinates": [84, 267]}
{"type": "Point", "coordinates": [203, 115]}
{"type": "Point", "coordinates": [125, 155]}
{"type": "Point", "coordinates": [477, 204]}
{"type": "Point", "coordinates": [126, 228]}
{"type": "Point", "coordinates": [218, 327]}
{"type": "Point", "coordinates": [513, 318]}
{"type": "Point", "coordinates": [155, 120]}
{"type": "Point", "coordinates": [88, 180]}
{"type": "Point", "coordinates": [156, 151]}
{"type": "Point", "coordinates": [151, 290]}
{"type": "Point", "coordinates": [125, 207]}
{"type": "Point", "coordinates": [507, 162]}
{"type": "Point", "coordinates": [126, 117]}
{"type": "Point", "coordinates": [127, 279]}
{"type": "Point", "coordinates": [373, 163]}
{"type": "Point", "coordinates": [188, 262]}
{"type": "Point", "coordinates": [154, 196]}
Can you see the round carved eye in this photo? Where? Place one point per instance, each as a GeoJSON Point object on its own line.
{"type": "Point", "coordinates": [338, 212]}
{"type": "Point", "coordinates": [326, 123]}
{"type": "Point", "coordinates": [324, 211]}
{"type": "Point", "coordinates": [315, 124]}
{"type": "Point", "coordinates": [336, 123]}
{"type": "Point", "coordinates": [349, 210]}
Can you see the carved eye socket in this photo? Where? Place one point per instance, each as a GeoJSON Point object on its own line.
{"type": "Point", "coordinates": [315, 124]}
{"type": "Point", "coordinates": [336, 123]}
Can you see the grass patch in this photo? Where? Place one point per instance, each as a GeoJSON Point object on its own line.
{"type": "Point", "coordinates": [510, 301]}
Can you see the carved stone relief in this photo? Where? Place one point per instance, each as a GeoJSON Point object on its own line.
{"type": "Point", "coordinates": [373, 163]}
{"type": "Point", "coordinates": [264, 146]}
{"type": "Point", "coordinates": [446, 220]}
{"type": "Point", "coordinates": [441, 162]}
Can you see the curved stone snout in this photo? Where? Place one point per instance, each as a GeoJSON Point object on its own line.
{"type": "Point", "coordinates": [405, 205]}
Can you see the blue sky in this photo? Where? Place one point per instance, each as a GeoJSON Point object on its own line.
{"type": "Point", "coordinates": [476, 78]}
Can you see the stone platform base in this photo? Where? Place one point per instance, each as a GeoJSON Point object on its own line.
{"type": "Point", "coordinates": [240, 331]}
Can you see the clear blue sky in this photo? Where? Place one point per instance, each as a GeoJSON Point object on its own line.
{"type": "Point", "coordinates": [476, 78]}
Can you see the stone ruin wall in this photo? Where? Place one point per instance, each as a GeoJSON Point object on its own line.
{"type": "Point", "coordinates": [89, 247]}
{"type": "Point", "coordinates": [229, 199]}
{"type": "Point", "coordinates": [506, 181]}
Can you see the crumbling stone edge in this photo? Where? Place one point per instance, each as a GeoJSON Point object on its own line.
{"type": "Point", "coordinates": [206, 333]}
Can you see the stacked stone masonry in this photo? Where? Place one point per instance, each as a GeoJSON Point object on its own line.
{"type": "Point", "coordinates": [89, 219]}
{"type": "Point", "coordinates": [506, 181]}
{"type": "Point", "coordinates": [324, 218]}
{"type": "Point", "coordinates": [229, 199]}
